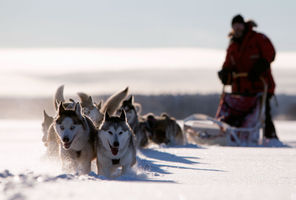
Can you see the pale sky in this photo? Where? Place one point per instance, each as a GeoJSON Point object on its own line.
{"type": "Point", "coordinates": [138, 23]}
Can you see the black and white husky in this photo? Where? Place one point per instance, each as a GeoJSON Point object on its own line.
{"type": "Point", "coordinates": [135, 121]}
{"type": "Point", "coordinates": [72, 139]}
{"type": "Point", "coordinates": [115, 145]}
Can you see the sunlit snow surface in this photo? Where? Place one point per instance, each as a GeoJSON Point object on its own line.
{"type": "Point", "coordinates": [178, 172]}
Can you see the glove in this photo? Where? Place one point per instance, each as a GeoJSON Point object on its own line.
{"type": "Point", "coordinates": [258, 68]}
{"type": "Point", "coordinates": [225, 76]}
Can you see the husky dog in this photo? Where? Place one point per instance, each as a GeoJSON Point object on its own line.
{"type": "Point", "coordinates": [112, 103]}
{"type": "Point", "coordinates": [164, 129]}
{"type": "Point", "coordinates": [94, 111]}
{"type": "Point", "coordinates": [90, 108]}
{"type": "Point", "coordinates": [49, 139]}
{"type": "Point", "coordinates": [72, 136]}
{"type": "Point", "coordinates": [115, 145]}
{"type": "Point", "coordinates": [132, 110]}
{"type": "Point", "coordinates": [47, 121]}
{"type": "Point", "coordinates": [135, 121]}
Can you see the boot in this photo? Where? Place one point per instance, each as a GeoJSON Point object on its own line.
{"type": "Point", "coordinates": [269, 130]}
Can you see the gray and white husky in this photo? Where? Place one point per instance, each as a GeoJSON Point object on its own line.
{"type": "Point", "coordinates": [135, 121]}
{"type": "Point", "coordinates": [115, 146]}
{"type": "Point", "coordinates": [72, 138]}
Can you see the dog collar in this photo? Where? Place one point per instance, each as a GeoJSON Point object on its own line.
{"type": "Point", "coordinates": [115, 161]}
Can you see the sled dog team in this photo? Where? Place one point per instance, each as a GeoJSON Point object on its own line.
{"type": "Point", "coordinates": [109, 132]}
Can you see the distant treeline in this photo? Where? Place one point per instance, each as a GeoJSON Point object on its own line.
{"type": "Point", "coordinates": [178, 106]}
{"type": "Point", "coordinates": [181, 106]}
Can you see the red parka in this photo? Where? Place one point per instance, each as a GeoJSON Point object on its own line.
{"type": "Point", "coordinates": [241, 57]}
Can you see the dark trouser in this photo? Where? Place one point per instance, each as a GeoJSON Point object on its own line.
{"type": "Point", "coordinates": [269, 130]}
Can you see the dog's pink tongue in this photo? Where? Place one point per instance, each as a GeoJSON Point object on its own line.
{"type": "Point", "coordinates": [114, 151]}
{"type": "Point", "coordinates": [67, 145]}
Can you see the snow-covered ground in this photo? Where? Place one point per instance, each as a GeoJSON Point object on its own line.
{"type": "Point", "coordinates": [186, 172]}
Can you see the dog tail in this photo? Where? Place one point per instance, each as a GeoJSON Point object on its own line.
{"type": "Point", "coordinates": [85, 99]}
{"type": "Point", "coordinates": [114, 102]}
{"type": "Point", "coordinates": [59, 96]}
{"type": "Point", "coordinates": [138, 108]}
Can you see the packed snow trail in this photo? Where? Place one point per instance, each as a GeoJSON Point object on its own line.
{"type": "Point", "coordinates": [178, 172]}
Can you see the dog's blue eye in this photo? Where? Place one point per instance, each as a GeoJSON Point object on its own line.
{"type": "Point", "coordinates": [72, 127]}
{"type": "Point", "coordinates": [110, 132]}
{"type": "Point", "coordinates": [62, 127]}
{"type": "Point", "coordinates": [120, 132]}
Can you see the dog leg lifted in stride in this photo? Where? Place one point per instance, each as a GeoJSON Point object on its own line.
{"type": "Point", "coordinates": [115, 146]}
{"type": "Point", "coordinates": [75, 135]}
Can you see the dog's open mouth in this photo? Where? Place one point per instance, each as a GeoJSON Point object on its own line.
{"type": "Point", "coordinates": [114, 150]}
{"type": "Point", "coordinates": [67, 145]}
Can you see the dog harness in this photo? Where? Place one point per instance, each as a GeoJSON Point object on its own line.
{"type": "Point", "coordinates": [115, 161]}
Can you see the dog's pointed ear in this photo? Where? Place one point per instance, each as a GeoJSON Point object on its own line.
{"type": "Point", "coordinates": [131, 99]}
{"type": "Point", "coordinates": [78, 110]}
{"type": "Point", "coordinates": [107, 117]}
{"type": "Point", "coordinates": [90, 99]}
{"type": "Point", "coordinates": [61, 108]}
{"type": "Point", "coordinates": [122, 115]}
{"type": "Point", "coordinates": [99, 105]}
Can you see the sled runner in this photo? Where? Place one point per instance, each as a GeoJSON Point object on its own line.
{"type": "Point", "coordinates": [238, 120]}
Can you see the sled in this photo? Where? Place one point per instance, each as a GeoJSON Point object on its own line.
{"type": "Point", "coordinates": [238, 120]}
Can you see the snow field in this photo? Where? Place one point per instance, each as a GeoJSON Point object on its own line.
{"type": "Point", "coordinates": [174, 172]}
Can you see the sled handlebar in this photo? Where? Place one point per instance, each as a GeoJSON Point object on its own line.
{"type": "Point", "coordinates": [239, 75]}
{"type": "Point", "coordinates": [245, 74]}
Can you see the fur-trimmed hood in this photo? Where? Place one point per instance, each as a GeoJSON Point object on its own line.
{"type": "Point", "coordinates": [249, 25]}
